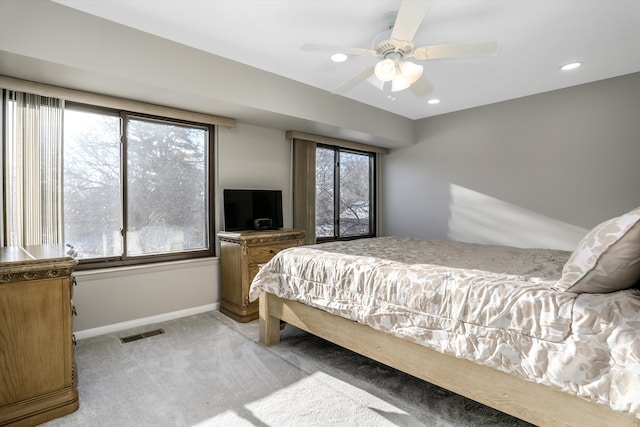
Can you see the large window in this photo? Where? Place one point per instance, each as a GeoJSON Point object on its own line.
{"type": "Point", "coordinates": [136, 188]}
{"type": "Point", "coordinates": [345, 193]}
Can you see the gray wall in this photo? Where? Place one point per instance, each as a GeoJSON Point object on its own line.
{"type": "Point", "coordinates": [255, 157]}
{"type": "Point", "coordinates": [533, 172]}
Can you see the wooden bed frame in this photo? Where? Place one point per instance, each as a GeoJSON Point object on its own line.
{"type": "Point", "coordinates": [529, 401]}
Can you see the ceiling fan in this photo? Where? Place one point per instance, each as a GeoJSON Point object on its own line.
{"type": "Point", "coordinates": [395, 45]}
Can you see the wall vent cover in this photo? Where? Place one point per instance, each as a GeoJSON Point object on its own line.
{"type": "Point", "coordinates": [137, 337]}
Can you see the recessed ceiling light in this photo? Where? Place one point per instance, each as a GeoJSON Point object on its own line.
{"type": "Point", "coordinates": [433, 101]}
{"type": "Point", "coordinates": [338, 57]}
{"type": "Point", "coordinates": [391, 97]}
{"type": "Point", "coordinates": [571, 66]}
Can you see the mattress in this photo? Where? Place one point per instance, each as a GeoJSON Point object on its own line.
{"type": "Point", "coordinates": [493, 305]}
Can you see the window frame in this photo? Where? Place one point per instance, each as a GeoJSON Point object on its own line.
{"type": "Point", "coordinates": [337, 149]}
{"type": "Point", "coordinates": [124, 259]}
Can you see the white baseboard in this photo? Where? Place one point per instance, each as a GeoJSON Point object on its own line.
{"type": "Point", "coordinates": [107, 329]}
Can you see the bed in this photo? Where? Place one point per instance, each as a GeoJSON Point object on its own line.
{"type": "Point", "coordinates": [549, 336]}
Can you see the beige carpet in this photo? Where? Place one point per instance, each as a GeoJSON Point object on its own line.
{"type": "Point", "coordinates": [207, 370]}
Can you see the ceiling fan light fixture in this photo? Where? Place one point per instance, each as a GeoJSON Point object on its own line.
{"type": "Point", "coordinates": [411, 71]}
{"type": "Point", "coordinates": [385, 70]}
{"type": "Point", "coordinates": [399, 82]}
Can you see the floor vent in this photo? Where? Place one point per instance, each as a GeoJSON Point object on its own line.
{"type": "Point", "coordinates": [137, 337]}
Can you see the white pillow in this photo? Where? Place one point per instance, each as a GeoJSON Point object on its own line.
{"type": "Point", "coordinates": [607, 259]}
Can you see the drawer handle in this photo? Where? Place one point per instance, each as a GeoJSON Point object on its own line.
{"type": "Point", "coordinates": [271, 251]}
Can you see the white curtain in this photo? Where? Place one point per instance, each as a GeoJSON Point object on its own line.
{"type": "Point", "coordinates": [33, 169]}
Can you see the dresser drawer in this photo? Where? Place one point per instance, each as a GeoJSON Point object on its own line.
{"type": "Point", "coordinates": [262, 254]}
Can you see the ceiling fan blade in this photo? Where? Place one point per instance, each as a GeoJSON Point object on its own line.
{"type": "Point", "coordinates": [354, 81]}
{"type": "Point", "coordinates": [410, 16]}
{"type": "Point", "coordinates": [312, 47]}
{"type": "Point", "coordinates": [456, 50]}
{"type": "Point", "coordinates": [421, 87]}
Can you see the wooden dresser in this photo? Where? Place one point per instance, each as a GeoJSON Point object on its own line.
{"type": "Point", "coordinates": [37, 372]}
{"type": "Point", "coordinates": [241, 255]}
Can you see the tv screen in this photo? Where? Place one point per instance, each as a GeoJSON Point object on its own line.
{"type": "Point", "coordinates": [243, 207]}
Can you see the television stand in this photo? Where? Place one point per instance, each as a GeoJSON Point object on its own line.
{"type": "Point", "coordinates": [242, 253]}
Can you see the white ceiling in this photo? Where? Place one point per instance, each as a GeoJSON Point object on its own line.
{"type": "Point", "coordinates": [537, 36]}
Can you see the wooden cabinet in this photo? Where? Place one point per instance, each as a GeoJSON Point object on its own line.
{"type": "Point", "coordinates": [241, 255]}
{"type": "Point", "coordinates": [37, 372]}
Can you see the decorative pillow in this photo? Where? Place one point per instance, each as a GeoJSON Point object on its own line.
{"type": "Point", "coordinates": [607, 259]}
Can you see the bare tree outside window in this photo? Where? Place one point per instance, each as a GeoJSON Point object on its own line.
{"type": "Point", "coordinates": [92, 188]}
{"type": "Point", "coordinates": [355, 194]}
{"type": "Point", "coordinates": [157, 204]}
{"type": "Point", "coordinates": [325, 182]}
{"type": "Point", "coordinates": [344, 193]}
{"type": "Point", "coordinates": [166, 187]}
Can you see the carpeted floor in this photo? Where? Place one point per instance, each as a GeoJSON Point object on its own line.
{"type": "Point", "coordinates": [207, 370]}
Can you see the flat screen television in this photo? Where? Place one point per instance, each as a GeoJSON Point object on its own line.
{"type": "Point", "coordinates": [252, 209]}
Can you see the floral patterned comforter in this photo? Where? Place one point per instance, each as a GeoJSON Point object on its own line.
{"type": "Point", "coordinates": [494, 305]}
